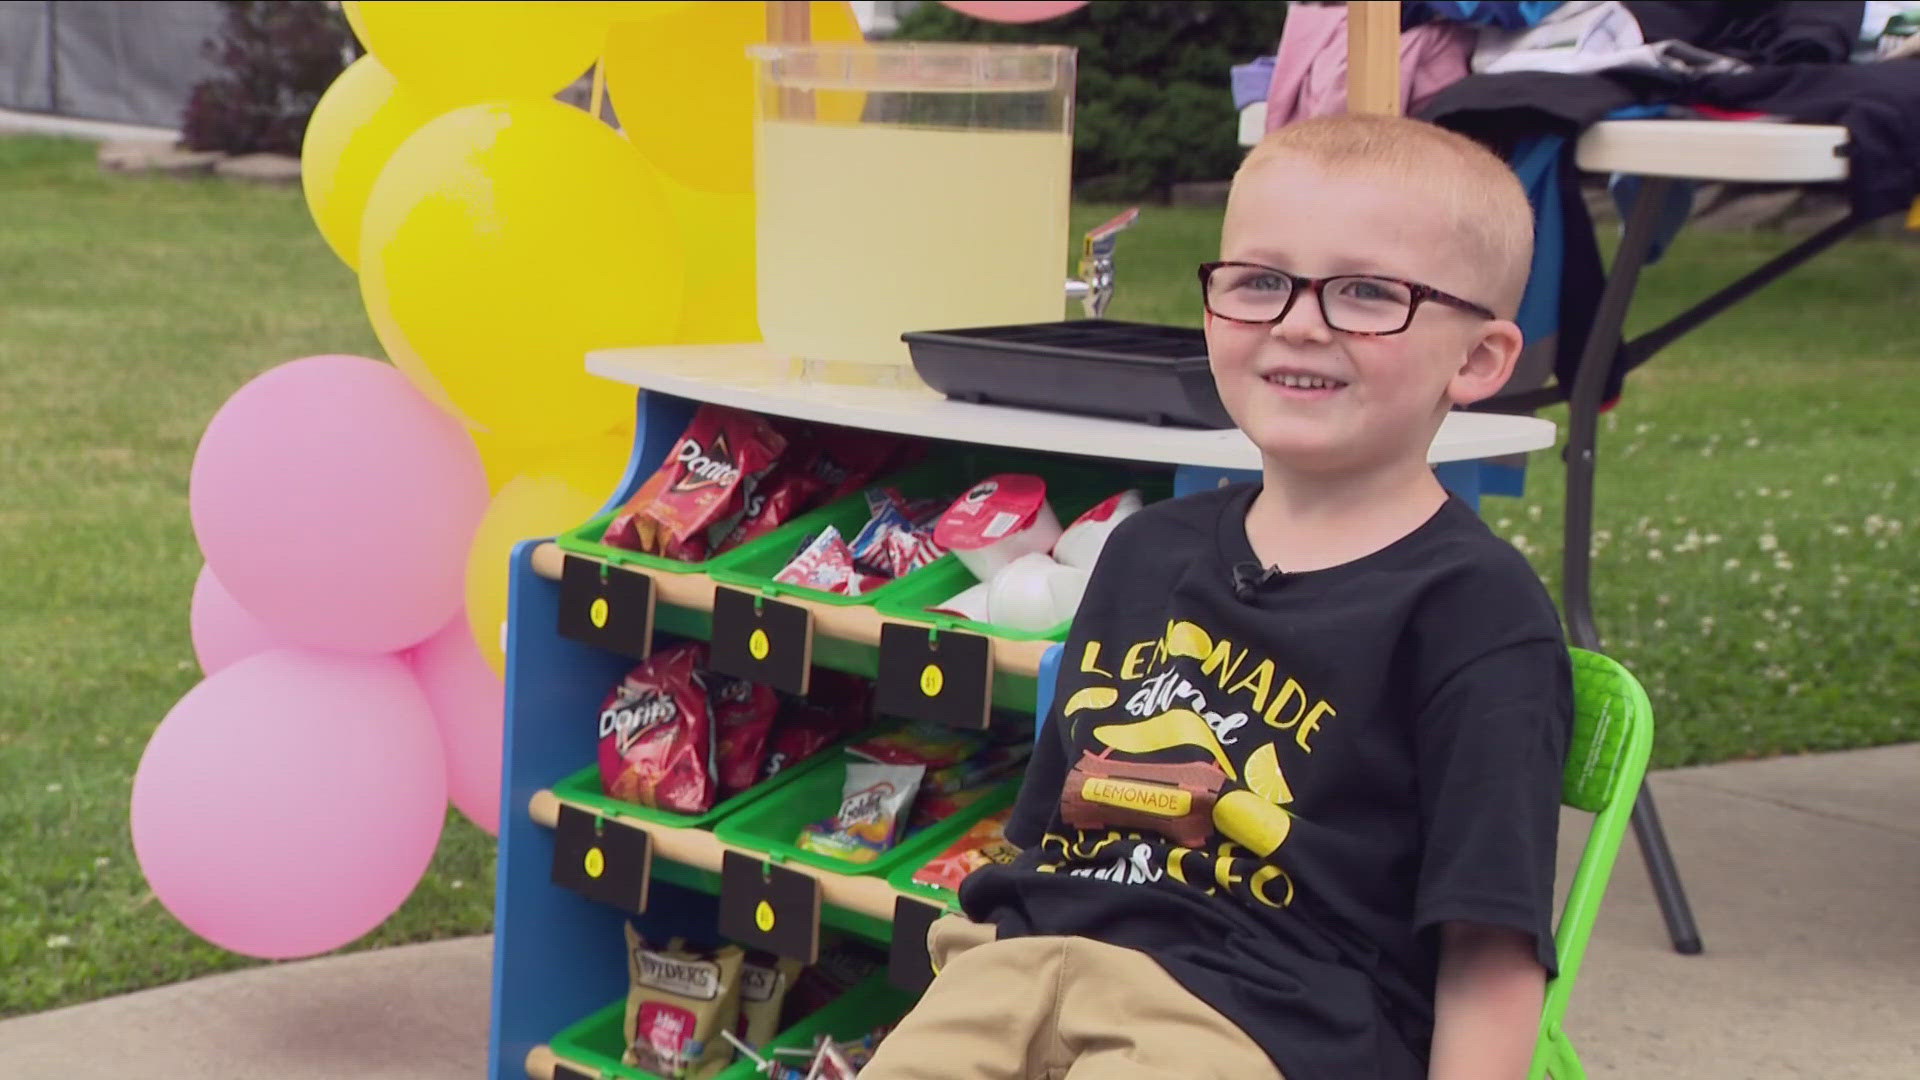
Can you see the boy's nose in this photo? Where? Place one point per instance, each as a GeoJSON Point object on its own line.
{"type": "Point", "coordinates": [1304, 323]}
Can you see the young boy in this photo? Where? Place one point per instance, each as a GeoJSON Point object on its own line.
{"type": "Point", "coordinates": [1294, 809]}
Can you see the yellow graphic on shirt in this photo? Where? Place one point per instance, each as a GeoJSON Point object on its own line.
{"type": "Point", "coordinates": [1240, 710]}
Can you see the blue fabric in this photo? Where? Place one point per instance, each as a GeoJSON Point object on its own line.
{"type": "Point", "coordinates": [1536, 162]}
{"type": "Point", "coordinates": [1500, 14]}
{"type": "Point", "coordinates": [1251, 81]}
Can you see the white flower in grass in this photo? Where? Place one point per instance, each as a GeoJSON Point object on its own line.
{"type": "Point", "coordinates": [1779, 589]}
{"type": "Point", "coordinates": [1842, 530]}
{"type": "Point", "coordinates": [1842, 580]}
{"type": "Point", "coordinates": [1652, 534]}
{"type": "Point", "coordinates": [1768, 541]}
{"type": "Point", "coordinates": [1712, 538]}
{"type": "Point", "coordinates": [1776, 672]}
{"type": "Point", "coordinates": [1706, 624]}
{"type": "Point", "coordinates": [1760, 646]}
{"type": "Point", "coordinates": [1642, 429]}
{"type": "Point", "coordinates": [1656, 555]}
{"type": "Point", "coordinates": [1830, 479]}
{"type": "Point", "coordinates": [1533, 512]}
{"type": "Point", "coordinates": [1706, 451]}
{"type": "Point", "coordinates": [1663, 599]}
{"type": "Point", "coordinates": [1873, 524]}
{"type": "Point", "coordinates": [457, 884]}
{"type": "Point", "coordinates": [59, 941]}
{"type": "Point", "coordinates": [1763, 491]}
{"type": "Point", "coordinates": [1753, 578]}
{"type": "Point", "coordinates": [1879, 545]}
{"type": "Point", "coordinates": [1659, 624]}
{"type": "Point", "coordinates": [1767, 614]}
{"type": "Point", "coordinates": [1503, 524]}
{"type": "Point", "coordinates": [1795, 688]}
{"type": "Point", "coordinates": [100, 862]}
{"type": "Point", "coordinates": [1752, 441]}
{"type": "Point", "coordinates": [55, 789]}
{"type": "Point", "coordinates": [1794, 610]}
{"type": "Point", "coordinates": [1783, 563]}
{"type": "Point", "coordinates": [1730, 564]}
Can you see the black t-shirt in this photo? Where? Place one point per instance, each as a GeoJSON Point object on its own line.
{"type": "Point", "coordinates": [1280, 795]}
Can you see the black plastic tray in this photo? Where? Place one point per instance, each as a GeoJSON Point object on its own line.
{"type": "Point", "coordinates": [1098, 367]}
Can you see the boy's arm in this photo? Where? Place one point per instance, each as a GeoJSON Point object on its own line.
{"type": "Point", "coordinates": [1486, 1004]}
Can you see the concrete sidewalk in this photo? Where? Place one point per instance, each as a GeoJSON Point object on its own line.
{"type": "Point", "coordinates": [1804, 872]}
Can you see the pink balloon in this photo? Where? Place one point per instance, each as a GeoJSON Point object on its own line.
{"type": "Point", "coordinates": [223, 631]}
{"type": "Point", "coordinates": [1015, 11]}
{"type": "Point", "coordinates": [287, 805]}
{"type": "Point", "coordinates": [336, 503]}
{"type": "Point", "coordinates": [469, 705]}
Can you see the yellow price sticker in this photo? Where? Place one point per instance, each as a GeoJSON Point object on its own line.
{"type": "Point", "coordinates": [763, 916]}
{"type": "Point", "coordinates": [597, 613]}
{"type": "Point", "coordinates": [596, 863]}
{"type": "Point", "coordinates": [758, 645]}
{"type": "Point", "coordinates": [932, 680]}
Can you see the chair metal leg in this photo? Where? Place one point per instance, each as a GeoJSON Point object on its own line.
{"type": "Point", "coordinates": [1596, 360]}
{"type": "Point", "coordinates": [1664, 875]}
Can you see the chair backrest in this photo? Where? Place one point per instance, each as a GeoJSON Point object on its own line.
{"type": "Point", "coordinates": [1606, 761]}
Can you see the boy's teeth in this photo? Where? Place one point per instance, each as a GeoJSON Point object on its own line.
{"type": "Point", "coordinates": [1303, 382]}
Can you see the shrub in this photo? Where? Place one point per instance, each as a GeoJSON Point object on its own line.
{"type": "Point", "coordinates": [1154, 106]}
{"type": "Point", "coordinates": [275, 58]}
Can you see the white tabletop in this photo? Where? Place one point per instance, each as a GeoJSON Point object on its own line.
{"type": "Point", "coordinates": [1724, 150]}
{"type": "Point", "coordinates": [750, 376]}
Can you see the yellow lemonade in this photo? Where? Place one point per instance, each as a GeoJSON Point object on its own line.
{"type": "Point", "coordinates": [866, 231]}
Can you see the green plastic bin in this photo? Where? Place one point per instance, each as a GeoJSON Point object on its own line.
{"type": "Point", "coordinates": [597, 1041]}
{"type": "Point", "coordinates": [945, 579]}
{"type": "Point", "coordinates": [772, 825]}
{"type": "Point", "coordinates": [584, 788]}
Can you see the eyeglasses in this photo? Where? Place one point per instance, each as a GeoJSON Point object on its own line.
{"type": "Point", "coordinates": [1351, 303]}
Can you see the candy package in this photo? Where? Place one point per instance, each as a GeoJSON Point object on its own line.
{"type": "Point", "coordinates": [743, 717]}
{"type": "Point", "coordinates": [656, 734]}
{"type": "Point", "coordinates": [921, 742]}
{"type": "Point", "coordinates": [826, 563]}
{"type": "Point", "coordinates": [874, 804]}
{"type": "Point", "coordinates": [679, 1000]}
{"type": "Point", "coordinates": [765, 980]}
{"type": "Point", "coordinates": [701, 488]}
{"type": "Point", "coordinates": [983, 844]}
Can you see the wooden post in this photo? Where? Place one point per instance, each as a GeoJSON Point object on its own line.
{"type": "Point", "coordinates": [790, 22]}
{"type": "Point", "coordinates": [1373, 57]}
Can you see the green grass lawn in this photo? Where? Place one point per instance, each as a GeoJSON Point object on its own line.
{"type": "Point", "coordinates": [1753, 565]}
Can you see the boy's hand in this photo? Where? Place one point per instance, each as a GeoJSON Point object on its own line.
{"type": "Point", "coordinates": [1486, 1004]}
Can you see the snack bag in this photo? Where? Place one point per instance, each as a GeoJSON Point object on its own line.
{"type": "Point", "coordinates": [782, 495]}
{"type": "Point", "coordinates": [764, 982]}
{"type": "Point", "coordinates": [678, 1002]}
{"type": "Point", "coordinates": [842, 966]}
{"type": "Point", "coordinates": [802, 731]}
{"type": "Point", "coordinates": [986, 842]}
{"type": "Point", "coordinates": [921, 742]}
{"type": "Point", "coordinates": [743, 716]}
{"type": "Point", "coordinates": [702, 483]}
{"type": "Point", "coordinates": [873, 809]}
{"type": "Point", "coordinates": [656, 734]}
{"type": "Point", "coordinates": [988, 766]}
{"type": "Point", "coordinates": [843, 459]}
{"type": "Point", "coordinates": [826, 564]}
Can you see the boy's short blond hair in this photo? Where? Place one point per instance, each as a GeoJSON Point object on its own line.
{"type": "Point", "coordinates": [1457, 179]}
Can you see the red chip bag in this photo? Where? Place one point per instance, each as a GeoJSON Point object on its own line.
{"type": "Point", "coordinates": [801, 732]}
{"type": "Point", "coordinates": [656, 734]}
{"type": "Point", "coordinates": [703, 482]}
{"type": "Point", "coordinates": [844, 459]}
{"type": "Point", "coordinates": [783, 495]}
{"type": "Point", "coordinates": [849, 698]}
{"type": "Point", "coordinates": [743, 715]}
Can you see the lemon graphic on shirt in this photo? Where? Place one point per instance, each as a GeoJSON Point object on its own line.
{"type": "Point", "coordinates": [1264, 777]}
{"type": "Point", "coordinates": [1252, 822]}
{"type": "Point", "coordinates": [1186, 639]}
{"type": "Point", "coordinates": [1175, 727]}
{"type": "Point", "coordinates": [1091, 697]}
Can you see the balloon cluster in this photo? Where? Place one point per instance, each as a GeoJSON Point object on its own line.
{"type": "Point", "coordinates": [356, 516]}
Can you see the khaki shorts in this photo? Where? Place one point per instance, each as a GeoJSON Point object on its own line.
{"type": "Point", "coordinates": [1058, 1007]}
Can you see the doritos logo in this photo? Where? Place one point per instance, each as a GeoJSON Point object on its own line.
{"type": "Point", "coordinates": [714, 467]}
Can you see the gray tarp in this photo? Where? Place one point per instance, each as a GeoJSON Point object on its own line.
{"type": "Point", "coordinates": [130, 61]}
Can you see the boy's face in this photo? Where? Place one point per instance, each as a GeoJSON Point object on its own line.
{"type": "Point", "coordinates": [1383, 396]}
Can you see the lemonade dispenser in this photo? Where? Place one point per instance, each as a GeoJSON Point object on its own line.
{"type": "Point", "coordinates": [907, 186]}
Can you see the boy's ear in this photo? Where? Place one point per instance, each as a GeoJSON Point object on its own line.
{"type": "Point", "coordinates": [1488, 364]}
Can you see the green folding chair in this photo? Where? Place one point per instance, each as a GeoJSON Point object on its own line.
{"type": "Point", "coordinates": [1607, 759]}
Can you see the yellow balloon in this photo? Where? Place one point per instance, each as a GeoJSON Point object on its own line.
{"type": "Point", "coordinates": [722, 294]}
{"type": "Point", "coordinates": [351, 9]}
{"type": "Point", "coordinates": [682, 86]}
{"type": "Point", "coordinates": [527, 507]}
{"type": "Point", "coordinates": [502, 243]}
{"type": "Point", "coordinates": [595, 464]}
{"type": "Point", "coordinates": [357, 124]}
{"type": "Point", "coordinates": [457, 52]}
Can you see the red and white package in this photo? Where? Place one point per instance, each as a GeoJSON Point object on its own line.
{"type": "Point", "coordinates": [1079, 546]}
{"type": "Point", "coordinates": [998, 520]}
{"type": "Point", "coordinates": [700, 486]}
{"type": "Point", "coordinates": [826, 564]}
{"type": "Point", "coordinates": [801, 732]}
{"type": "Point", "coordinates": [656, 734]}
{"type": "Point", "coordinates": [743, 716]}
{"type": "Point", "coordinates": [984, 843]}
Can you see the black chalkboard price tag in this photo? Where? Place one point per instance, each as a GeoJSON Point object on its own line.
{"type": "Point", "coordinates": [606, 606]}
{"type": "Point", "coordinates": [944, 675]}
{"type": "Point", "coordinates": [908, 965]}
{"type": "Point", "coordinates": [769, 907]}
{"type": "Point", "coordinates": [602, 859]}
{"type": "Point", "coordinates": [762, 639]}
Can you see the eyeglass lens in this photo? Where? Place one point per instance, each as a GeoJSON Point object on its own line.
{"type": "Point", "coordinates": [1358, 304]}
